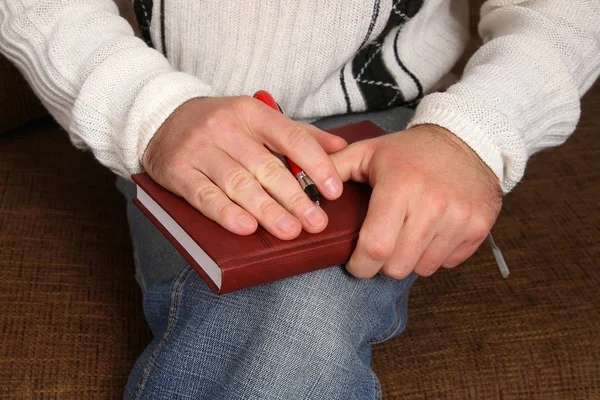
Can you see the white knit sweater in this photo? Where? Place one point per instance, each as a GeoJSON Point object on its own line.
{"type": "Point", "coordinates": [111, 91]}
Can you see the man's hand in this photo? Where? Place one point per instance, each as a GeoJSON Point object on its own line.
{"type": "Point", "coordinates": [214, 152]}
{"type": "Point", "coordinates": [433, 202]}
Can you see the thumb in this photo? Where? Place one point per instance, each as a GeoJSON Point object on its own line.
{"type": "Point", "coordinates": [353, 162]}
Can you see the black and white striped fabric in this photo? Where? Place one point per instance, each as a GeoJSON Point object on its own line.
{"type": "Point", "coordinates": [376, 83]}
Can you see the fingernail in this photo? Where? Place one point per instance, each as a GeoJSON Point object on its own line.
{"type": "Point", "coordinates": [245, 221]}
{"type": "Point", "coordinates": [286, 223]}
{"type": "Point", "coordinates": [314, 216]}
{"type": "Point", "coordinates": [332, 187]}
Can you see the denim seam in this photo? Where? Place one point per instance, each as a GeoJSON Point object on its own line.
{"type": "Point", "coordinates": [378, 391]}
{"type": "Point", "coordinates": [390, 332]}
{"type": "Point", "coordinates": [175, 289]}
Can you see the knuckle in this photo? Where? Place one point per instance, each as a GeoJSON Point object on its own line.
{"type": "Point", "coordinates": [325, 167]}
{"type": "Point", "coordinates": [297, 198]}
{"type": "Point", "coordinates": [396, 273]}
{"type": "Point", "coordinates": [244, 99]}
{"type": "Point", "coordinates": [244, 103]}
{"type": "Point", "coordinates": [480, 230]}
{"type": "Point", "coordinates": [377, 249]}
{"type": "Point", "coordinates": [266, 206]}
{"type": "Point", "coordinates": [370, 145]}
{"type": "Point", "coordinates": [270, 171]}
{"type": "Point", "coordinates": [219, 120]}
{"type": "Point", "coordinates": [206, 194]}
{"type": "Point", "coordinates": [221, 211]}
{"type": "Point", "coordinates": [461, 212]}
{"type": "Point", "coordinates": [296, 136]}
{"type": "Point", "coordinates": [420, 236]}
{"type": "Point", "coordinates": [224, 211]}
{"type": "Point", "coordinates": [415, 181]}
{"type": "Point", "coordinates": [239, 182]}
{"type": "Point", "coordinates": [438, 202]}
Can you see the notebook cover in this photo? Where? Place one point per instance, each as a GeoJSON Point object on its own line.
{"type": "Point", "coordinates": [259, 258]}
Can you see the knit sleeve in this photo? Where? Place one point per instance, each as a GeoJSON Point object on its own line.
{"type": "Point", "coordinates": [520, 92]}
{"type": "Point", "coordinates": [107, 88]}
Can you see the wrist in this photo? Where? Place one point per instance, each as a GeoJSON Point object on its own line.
{"type": "Point", "coordinates": [167, 125]}
{"type": "Point", "coordinates": [161, 97]}
{"type": "Point", "coordinates": [460, 146]}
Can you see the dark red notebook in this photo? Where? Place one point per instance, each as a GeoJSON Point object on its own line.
{"type": "Point", "coordinates": [229, 262]}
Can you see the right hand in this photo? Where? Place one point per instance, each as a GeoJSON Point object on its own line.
{"type": "Point", "coordinates": [214, 152]}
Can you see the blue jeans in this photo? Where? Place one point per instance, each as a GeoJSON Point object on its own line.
{"type": "Point", "coordinates": [305, 337]}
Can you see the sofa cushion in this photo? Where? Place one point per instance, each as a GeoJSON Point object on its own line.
{"type": "Point", "coordinates": [18, 104]}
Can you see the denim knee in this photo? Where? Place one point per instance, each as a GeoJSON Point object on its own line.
{"type": "Point", "coordinates": [302, 337]}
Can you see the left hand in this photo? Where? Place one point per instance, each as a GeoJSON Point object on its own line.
{"type": "Point", "coordinates": [433, 202]}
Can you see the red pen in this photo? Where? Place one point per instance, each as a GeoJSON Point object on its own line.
{"type": "Point", "coordinates": [307, 184]}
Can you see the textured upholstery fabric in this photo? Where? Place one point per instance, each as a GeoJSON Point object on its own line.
{"type": "Point", "coordinates": [18, 104]}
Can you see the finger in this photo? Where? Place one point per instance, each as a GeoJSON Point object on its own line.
{"type": "Point", "coordinates": [416, 235]}
{"type": "Point", "coordinates": [436, 253]}
{"type": "Point", "coordinates": [330, 143]}
{"type": "Point", "coordinates": [352, 163]}
{"type": "Point", "coordinates": [278, 182]}
{"type": "Point", "coordinates": [207, 198]}
{"type": "Point", "coordinates": [459, 255]}
{"type": "Point", "coordinates": [475, 233]}
{"type": "Point", "coordinates": [452, 229]}
{"type": "Point", "coordinates": [239, 184]}
{"type": "Point", "coordinates": [465, 250]}
{"type": "Point", "coordinates": [295, 141]}
{"type": "Point", "coordinates": [379, 233]}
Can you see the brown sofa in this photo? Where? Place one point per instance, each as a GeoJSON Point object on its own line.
{"type": "Point", "coordinates": [71, 319]}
